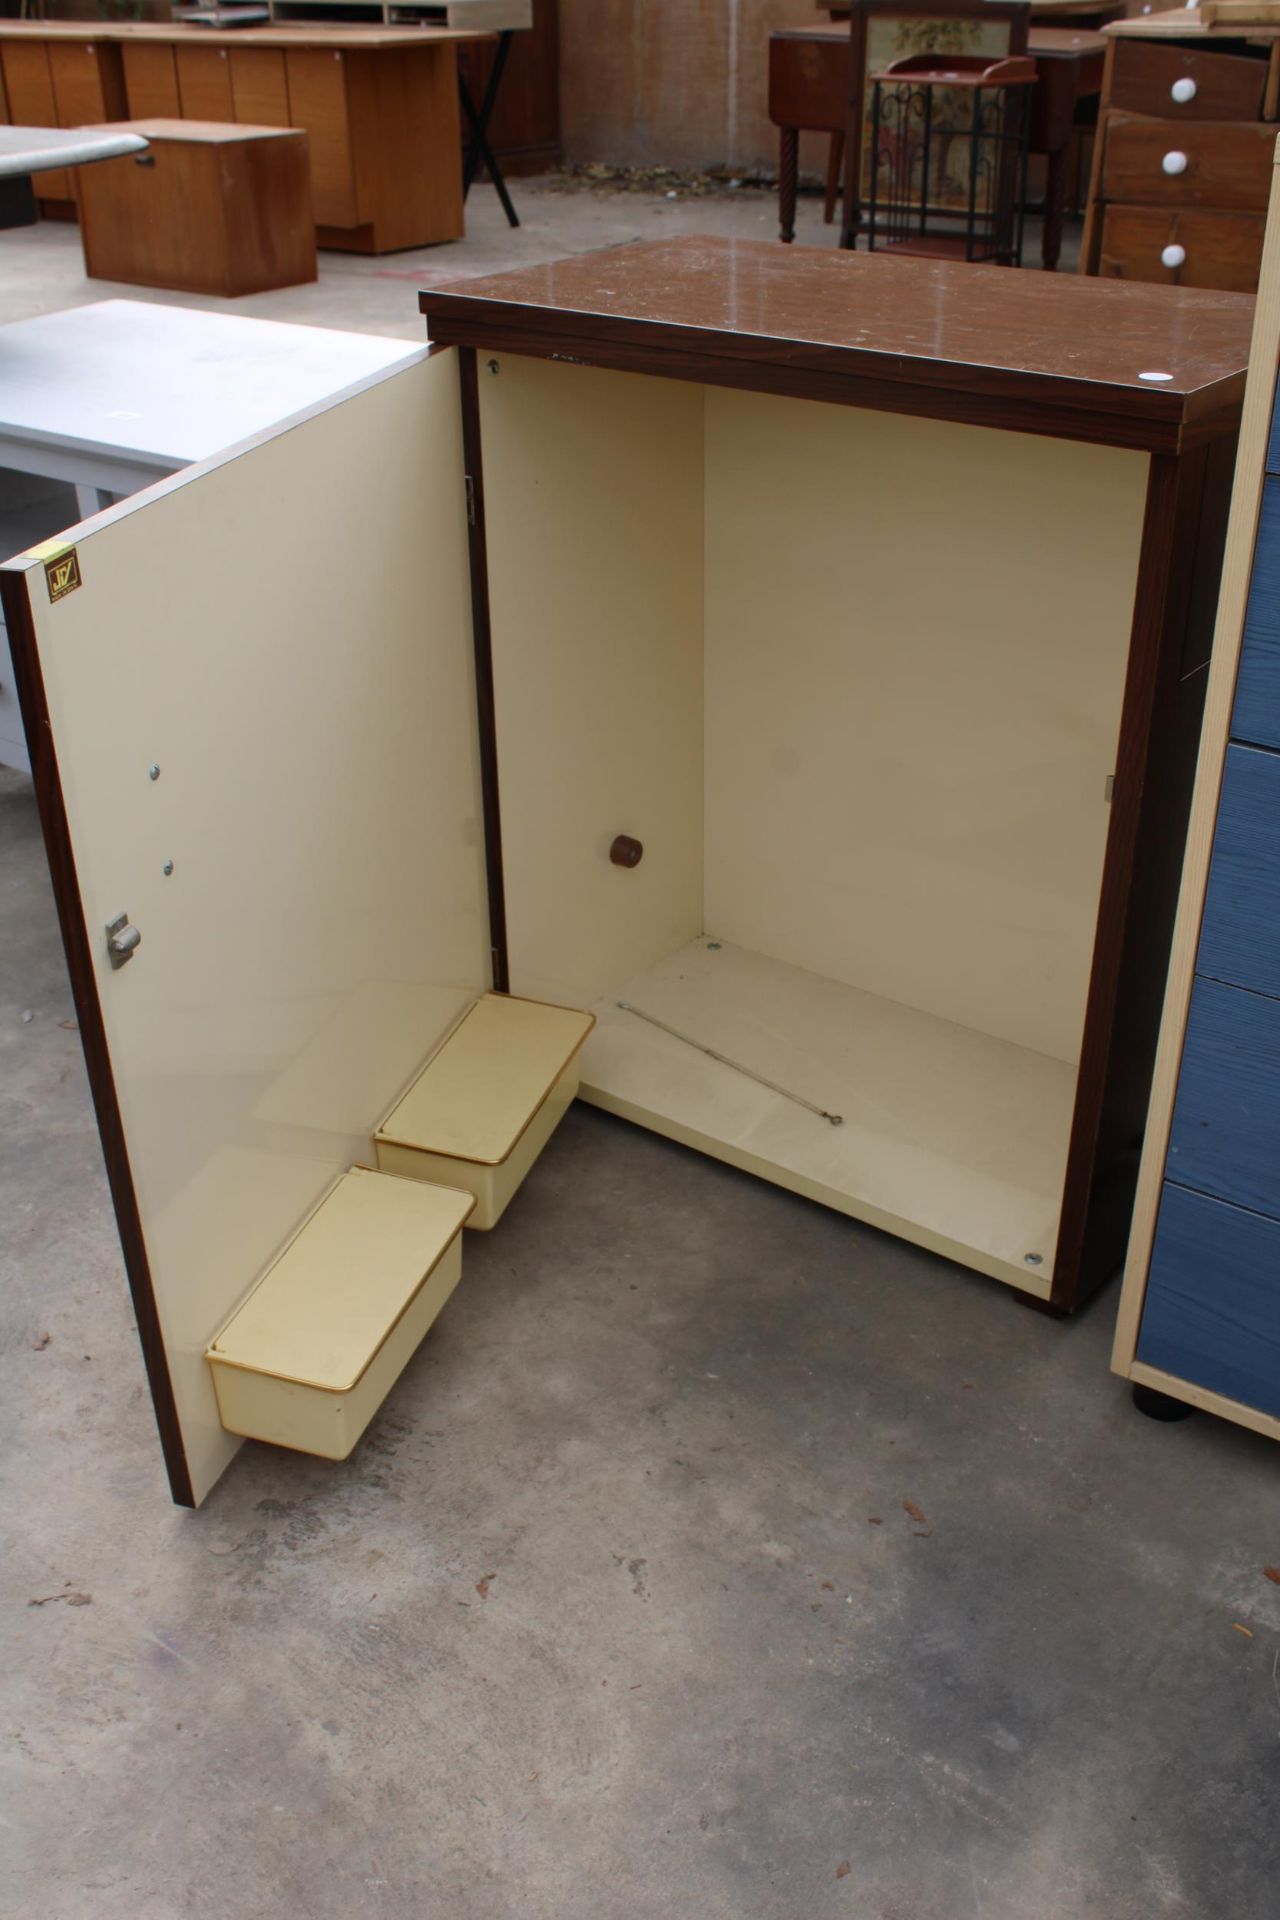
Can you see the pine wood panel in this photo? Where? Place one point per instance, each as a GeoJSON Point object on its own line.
{"type": "Point", "coordinates": [88, 82]}
{"type": "Point", "coordinates": [405, 135]}
{"type": "Point", "coordinates": [151, 81]}
{"type": "Point", "coordinates": [204, 83]}
{"type": "Point", "coordinates": [29, 86]}
{"type": "Point", "coordinates": [259, 87]}
{"type": "Point", "coordinates": [317, 83]}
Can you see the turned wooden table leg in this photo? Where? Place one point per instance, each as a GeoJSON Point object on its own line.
{"type": "Point", "coordinates": [788, 175]}
{"type": "Point", "coordinates": [1055, 200]}
{"type": "Point", "coordinates": [835, 167]}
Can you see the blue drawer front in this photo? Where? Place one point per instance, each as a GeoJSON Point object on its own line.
{"type": "Point", "coordinates": [1212, 1312]}
{"type": "Point", "coordinates": [1256, 716]}
{"type": "Point", "coordinates": [1240, 939]}
{"type": "Point", "coordinates": [1226, 1123]}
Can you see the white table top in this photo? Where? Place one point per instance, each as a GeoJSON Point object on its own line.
{"type": "Point", "coordinates": [158, 386]}
{"type": "Point", "coordinates": [37, 149]}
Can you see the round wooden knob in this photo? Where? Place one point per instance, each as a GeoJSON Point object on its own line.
{"type": "Point", "coordinates": [626, 852]}
{"type": "Point", "coordinates": [1174, 162]}
{"type": "Point", "coordinates": [1173, 255]}
{"type": "Point", "coordinates": [1183, 90]}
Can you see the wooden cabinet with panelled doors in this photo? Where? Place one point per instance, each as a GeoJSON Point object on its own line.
{"type": "Point", "coordinates": [72, 78]}
{"type": "Point", "coordinates": [204, 82]}
{"type": "Point", "coordinates": [1200, 1316]}
{"type": "Point", "coordinates": [625, 792]}
{"type": "Point", "coordinates": [1182, 162]}
{"type": "Point", "coordinates": [151, 80]}
{"type": "Point", "coordinates": [380, 106]}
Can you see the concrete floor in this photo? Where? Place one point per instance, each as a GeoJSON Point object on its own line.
{"type": "Point", "coordinates": [670, 1422]}
{"type": "Point", "coordinates": [42, 267]}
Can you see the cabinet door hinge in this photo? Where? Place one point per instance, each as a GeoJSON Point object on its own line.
{"type": "Point", "coordinates": [471, 501]}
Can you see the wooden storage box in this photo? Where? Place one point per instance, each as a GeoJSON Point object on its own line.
{"type": "Point", "coordinates": [309, 1357]}
{"type": "Point", "coordinates": [866, 596]}
{"type": "Point", "coordinates": [209, 209]}
{"type": "Point", "coordinates": [486, 1104]}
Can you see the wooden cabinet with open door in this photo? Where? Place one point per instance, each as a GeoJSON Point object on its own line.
{"type": "Point", "coordinates": [789, 661]}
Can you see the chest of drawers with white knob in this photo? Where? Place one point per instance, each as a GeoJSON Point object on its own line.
{"type": "Point", "coordinates": [1183, 163]}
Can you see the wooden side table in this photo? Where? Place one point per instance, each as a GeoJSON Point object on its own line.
{"type": "Point", "coordinates": [808, 85]}
{"type": "Point", "coordinates": [209, 209]}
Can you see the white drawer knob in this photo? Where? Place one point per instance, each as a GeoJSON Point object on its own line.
{"type": "Point", "coordinates": [1183, 90]}
{"type": "Point", "coordinates": [1174, 162]}
{"type": "Point", "coordinates": [1173, 255]}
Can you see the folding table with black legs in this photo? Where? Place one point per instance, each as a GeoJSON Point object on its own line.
{"type": "Point", "coordinates": [479, 153]}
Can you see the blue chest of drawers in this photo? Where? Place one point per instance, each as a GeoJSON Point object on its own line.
{"type": "Point", "coordinates": [1200, 1316]}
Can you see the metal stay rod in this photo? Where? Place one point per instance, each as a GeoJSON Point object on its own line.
{"type": "Point", "coordinates": [835, 1119]}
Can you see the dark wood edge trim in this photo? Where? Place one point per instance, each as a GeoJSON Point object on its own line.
{"type": "Point", "coordinates": [482, 640]}
{"type": "Point", "coordinates": [1065, 422]}
{"type": "Point", "coordinates": [15, 591]}
{"type": "Point", "coordinates": [1154, 419]}
{"type": "Point", "coordinates": [1151, 608]}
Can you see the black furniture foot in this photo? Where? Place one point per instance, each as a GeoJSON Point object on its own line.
{"type": "Point", "coordinates": [1160, 1406]}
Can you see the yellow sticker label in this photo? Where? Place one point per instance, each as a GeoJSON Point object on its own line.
{"type": "Point", "coordinates": [62, 573]}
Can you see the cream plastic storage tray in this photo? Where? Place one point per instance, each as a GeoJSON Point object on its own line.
{"type": "Point", "coordinates": [487, 1102]}
{"type": "Point", "coordinates": [313, 1351]}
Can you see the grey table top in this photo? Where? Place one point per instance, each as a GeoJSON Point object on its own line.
{"type": "Point", "coordinates": [156, 386]}
{"type": "Point", "coordinates": [37, 149]}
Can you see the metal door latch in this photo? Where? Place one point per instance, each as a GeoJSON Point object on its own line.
{"type": "Point", "coordinates": [123, 940]}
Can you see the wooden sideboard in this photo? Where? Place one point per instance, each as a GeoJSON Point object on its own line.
{"type": "Point", "coordinates": [1200, 1315]}
{"type": "Point", "coordinates": [1182, 163]}
{"type": "Point", "coordinates": [380, 106]}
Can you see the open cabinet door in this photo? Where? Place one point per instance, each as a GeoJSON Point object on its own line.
{"type": "Point", "coordinates": [250, 703]}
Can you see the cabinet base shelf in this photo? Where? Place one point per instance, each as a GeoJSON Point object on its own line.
{"type": "Point", "coordinates": [949, 1138]}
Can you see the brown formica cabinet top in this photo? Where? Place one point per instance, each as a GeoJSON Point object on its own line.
{"type": "Point", "coordinates": [1041, 353]}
